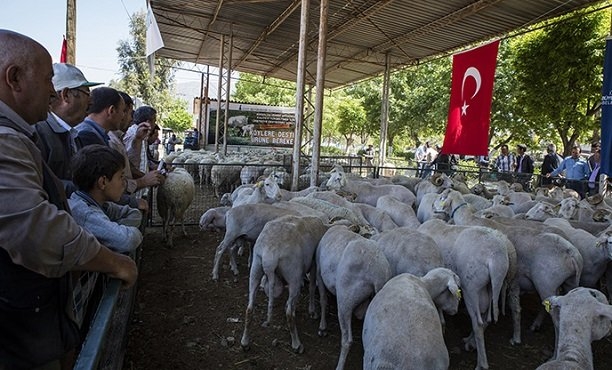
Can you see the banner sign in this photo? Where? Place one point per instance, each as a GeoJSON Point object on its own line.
{"type": "Point", "coordinates": [253, 124]}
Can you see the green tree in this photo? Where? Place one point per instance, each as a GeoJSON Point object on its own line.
{"type": "Point", "coordinates": [177, 118]}
{"type": "Point", "coordinates": [135, 77]}
{"type": "Point", "coordinates": [259, 90]}
{"type": "Point", "coordinates": [351, 120]}
{"type": "Point", "coordinates": [558, 71]}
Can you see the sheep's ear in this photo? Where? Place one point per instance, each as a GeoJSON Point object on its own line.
{"type": "Point", "coordinates": [604, 310]}
{"type": "Point", "coordinates": [551, 302]}
{"type": "Point", "coordinates": [453, 288]}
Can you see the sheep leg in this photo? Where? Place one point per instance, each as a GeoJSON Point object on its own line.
{"type": "Point", "coordinates": [294, 291]}
{"type": "Point", "coordinates": [269, 271]}
{"type": "Point", "coordinates": [225, 243]}
{"type": "Point", "coordinates": [312, 286]}
{"type": "Point", "coordinates": [345, 312]}
{"type": "Point", "coordinates": [254, 277]}
{"type": "Point", "coordinates": [322, 332]}
{"type": "Point", "coordinates": [473, 303]}
{"type": "Point", "coordinates": [537, 323]}
{"type": "Point", "coordinates": [515, 309]}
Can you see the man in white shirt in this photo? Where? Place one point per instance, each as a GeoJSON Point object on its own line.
{"type": "Point", "coordinates": [67, 109]}
{"type": "Point", "coordinates": [420, 156]}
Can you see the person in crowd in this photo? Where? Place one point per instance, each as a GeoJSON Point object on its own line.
{"type": "Point", "coordinates": [552, 160]}
{"type": "Point", "coordinates": [595, 175]}
{"type": "Point", "coordinates": [171, 144]}
{"type": "Point", "coordinates": [143, 121]}
{"type": "Point", "coordinates": [420, 156]}
{"type": "Point", "coordinates": [444, 162]}
{"type": "Point", "coordinates": [105, 114]}
{"type": "Point", "coordinates": [152, 142]}
{"type": "Point", "coordinates": [143, 180]}
{"type": "Point", "coordinates": [196, 137]}
{"type": "Point", "coordinates": [368, 154]}
{"type": "Point", "coordinates": [67, 109]}
{"type": "Point", "coordinates": [430, 156]}
{"type": "Point", "coordinates": [595, 146]}
{"type": "Point", "coordinates": [505, 163]}
{"type": "Point", "coordinates": [576, 169]}
{"type": "Point", "coordinates": [524, 167]}
{"type": "Point", "coordinates": [41, 245]}
{"type": "Point", "coordinates": [100, 179]}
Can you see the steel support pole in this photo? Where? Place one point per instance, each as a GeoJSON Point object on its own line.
{"type": "Point", "coordinates": [384, 112]}
{"type": "Point", "coordinates": [299, 98]}
{"type": "Point", "coordinates": [228, 81]}
{"type": "Point", "coordinates": [318, 116]}
{"type": "Point", "coordinates": [219, 92]}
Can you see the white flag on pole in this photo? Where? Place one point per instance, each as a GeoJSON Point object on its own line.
{"type": "Point", "coordinates": [154, 39]}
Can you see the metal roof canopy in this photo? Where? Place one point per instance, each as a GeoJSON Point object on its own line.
{"type": "Point", "coordinates": [360, 32]}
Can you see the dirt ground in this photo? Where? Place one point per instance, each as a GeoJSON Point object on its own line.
{"type": "Point", "coordinates": [184, 321]}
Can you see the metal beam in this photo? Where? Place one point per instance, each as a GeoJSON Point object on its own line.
{"type": "Point", "coordinates": [318, 117]}
{"type": "Point", "coordinates": [342, 27]}
{"type": "Point", "coordinates": [419, 32]}
{"type": "Point", "coordinates": [299, 96]}
{"type": "Point", "coordinates": [271, 28]}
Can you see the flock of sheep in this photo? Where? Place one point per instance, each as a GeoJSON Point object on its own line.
{"type": "Point", "coordinates": [402, 252]}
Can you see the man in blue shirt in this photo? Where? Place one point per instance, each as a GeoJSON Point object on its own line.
{"type": "Point", "coordinates": [577, 171]}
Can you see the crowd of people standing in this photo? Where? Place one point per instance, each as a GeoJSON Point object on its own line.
{"type": "Point", "coordinates": [72, 163]}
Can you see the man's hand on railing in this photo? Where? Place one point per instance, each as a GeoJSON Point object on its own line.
{"type": "Point", "coordinates": [114, 265]}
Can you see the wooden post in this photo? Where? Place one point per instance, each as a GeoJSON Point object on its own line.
{"type": "Point", "coordinates": [71, 31]}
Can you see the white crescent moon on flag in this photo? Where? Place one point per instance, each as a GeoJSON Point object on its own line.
{"type": "Point", "coordinates": [475, 74]}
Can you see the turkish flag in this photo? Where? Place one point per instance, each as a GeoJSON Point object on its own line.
{"type": "Point", "coordinates": [469, 112]}
{"type": "Point", "coordinates": [64, 51]}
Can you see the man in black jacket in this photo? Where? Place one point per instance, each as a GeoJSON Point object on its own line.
{"type": "Point", "coordinates": [524, 167]}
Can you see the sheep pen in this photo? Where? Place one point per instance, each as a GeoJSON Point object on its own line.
{"type": "Point", "coordinates": [184, 321]}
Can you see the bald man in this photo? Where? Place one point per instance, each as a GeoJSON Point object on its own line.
{"type": "Point", "coordinates": [40, 243]}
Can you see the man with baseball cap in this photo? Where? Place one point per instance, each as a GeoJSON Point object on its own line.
{"type": "Point", "coordinates": [67, 109]}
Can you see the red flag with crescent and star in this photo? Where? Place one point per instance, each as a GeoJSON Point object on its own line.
{"type": "Point", "coordinates": [64, 51]}
{"type": "Point", "coordinates": [469, 112]}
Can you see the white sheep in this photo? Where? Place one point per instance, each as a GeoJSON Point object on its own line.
{"type": "Point", "coordinates": [401, 213]}
{"type": "Point", "coordinates": [352, 268]}
{"type": "Point", "coordinates": [284, 249]}
{"type": "Point", "coordinates": [547, 262]}
{"type": "Point", "coordinates": [581, 316]}
{"type": "Point", "coordinates": [485, 260]}
{"type": "Point", "coordinates": [409, 251]}
{"type": "Point", "coordinates": [173, 198]}
{"type": "Point", "coordinates": [402, 328]}
{"type": "Point", "coordinates": [245, 221]}
{"type": "Point", "coordinates": [214, 219]}
{"type": "Point", "coordinates": [264, 190]}
{"type": "Point", "coordinates": [366, 192]}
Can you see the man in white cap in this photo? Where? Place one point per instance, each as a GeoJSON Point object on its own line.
{"type": "Point", "coordinates": [67, 109]}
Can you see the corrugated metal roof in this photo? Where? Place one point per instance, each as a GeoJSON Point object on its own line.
{"type": "Point", "coordinates": [360, 32]}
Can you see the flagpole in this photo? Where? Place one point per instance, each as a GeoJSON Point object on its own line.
{"type": "Point", "coordinates": [71, 31]}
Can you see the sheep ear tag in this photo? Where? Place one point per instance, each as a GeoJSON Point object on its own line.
{"type": "Point", "coordinates": [458, 294]}
{"type": "Point", "coordinates": [546, 304]}
{"type": "Point", "coordinates": [260, 184]}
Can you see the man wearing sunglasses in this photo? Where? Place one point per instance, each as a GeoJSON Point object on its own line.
{"type": "Point", "coordinates": [67, 109]}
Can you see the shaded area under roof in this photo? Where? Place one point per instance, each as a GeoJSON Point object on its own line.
{"type": "Point", "coordinates": [360, 32]}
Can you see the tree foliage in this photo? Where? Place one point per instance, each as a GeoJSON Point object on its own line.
{"type": "Point", "coordinates": [270, 91]}
{"type": "Point", "coordinates": [177, 118]}
{"type": "Point", "coordinates": [135, 77]}
{"type": "Point", "coordinates": [558, 71]}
